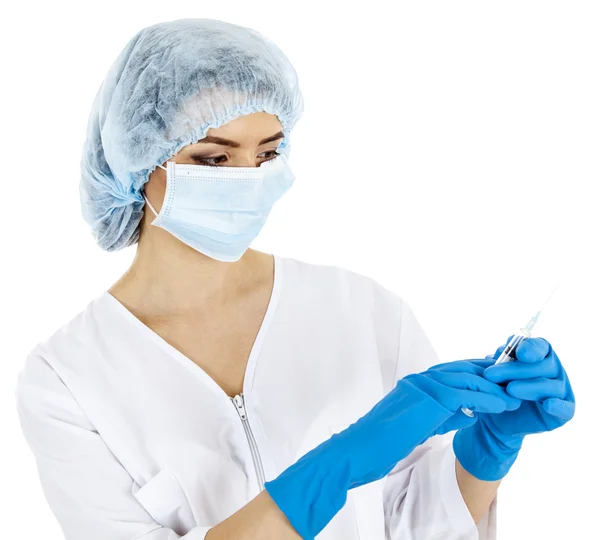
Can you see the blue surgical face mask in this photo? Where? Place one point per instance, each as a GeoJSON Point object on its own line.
{"type": "Point", "coordinates": [219, 211]}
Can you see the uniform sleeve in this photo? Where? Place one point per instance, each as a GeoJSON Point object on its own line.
{"type": "Point", "coordinates": [87, 488]}
{"type": "Point", "coordinates": [422, 500]}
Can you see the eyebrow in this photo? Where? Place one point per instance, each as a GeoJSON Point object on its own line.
{"type": "Point", "coordinates": [233, 144]}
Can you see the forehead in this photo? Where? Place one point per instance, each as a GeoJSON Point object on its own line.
{"type": "Point", "coordinates": [255, 128]}
{"type": "Point", "coordinates": [261, 123]}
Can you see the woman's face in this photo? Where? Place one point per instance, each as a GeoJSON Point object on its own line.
{"type": "Point", "coordinates": [246, 141]}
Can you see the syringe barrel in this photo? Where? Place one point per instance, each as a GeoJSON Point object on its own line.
{"type": "Point", "coordinates": [509, 354]}
{"type": "Point", "coordinates": [510, 351]}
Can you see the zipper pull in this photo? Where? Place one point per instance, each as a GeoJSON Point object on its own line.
{"type": "Point", "coordinates": [238, 401]}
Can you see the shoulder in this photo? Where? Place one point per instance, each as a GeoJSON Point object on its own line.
{"type": "Point", "coordinates": [51, 355]}
{"type": "Point", "coordinates": [391, 317]}
{"type": "Point", "coordinates": [44, 391]}
{"type": "Point", "coordinates": [45, 405]}
{"type": "Point", "coordinates": [339, 282]}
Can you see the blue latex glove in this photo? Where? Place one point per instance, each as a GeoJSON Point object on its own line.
{"type": "Point", "coordinates": [488, 448]}
{"type": "Point", "coordinates": [311, 491]}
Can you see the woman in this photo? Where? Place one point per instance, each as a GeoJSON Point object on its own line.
{"type": "Point", "coordinates": [215, 391]}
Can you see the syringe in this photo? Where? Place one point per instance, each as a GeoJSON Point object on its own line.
{"type": "Point", "coordinates": [509, 353]}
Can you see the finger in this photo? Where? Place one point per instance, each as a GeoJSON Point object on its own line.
{"type": "Point", "coordinates": [471, 382]}
{"type": "Point", "coordinates": [481, 402]}
{"type": "Point", "coordinates": [499, 350]}
{"type": "Point", "coordinates": [513, 404]}
{"type": "Point", "coordinates": [537, 389]}
{"type": "Point", "coordinates": [485, 362]}
{"type": "Point", "coordinates": [560, 408]}
{"type": "Point", "coordinates": [533, 350]}
{"type": "Point", "coordinates": [515, 370]}
{"type": "Point", "coordinates": [476, 367]}
{"type": "Point", "coordinates": [467, 381]}
{"type": "Point", "coordinates": [494, 356]}
{"type": "Point", "coordinates": [457, 421]}
{"type": "Point", "coordinates": [442, 365]}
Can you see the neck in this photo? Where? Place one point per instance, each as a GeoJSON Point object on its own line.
{"type": "Point", "coordinates": [169, 278]}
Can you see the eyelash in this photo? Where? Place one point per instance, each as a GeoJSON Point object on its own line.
{"type": "Point", "coordinates": [206, 161]}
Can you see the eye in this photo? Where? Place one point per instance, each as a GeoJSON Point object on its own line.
{"type": "Point", "coordinates": [273, 154]}
{"type": "Point", "coordinates": [207, 161]}
{"type": "Point", "coordinates": [212, 161]}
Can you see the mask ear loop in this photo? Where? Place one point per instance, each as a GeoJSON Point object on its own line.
{"type": "Point", "coordinates": [146, 199]}
{"type": "Point", "coordinates": [148, 203]}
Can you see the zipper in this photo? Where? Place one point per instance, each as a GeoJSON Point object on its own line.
{"type": "Point", "coordinates": [240, 407]}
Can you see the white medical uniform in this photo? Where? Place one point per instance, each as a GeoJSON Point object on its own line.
{"type": "Point", "coordinates": [135, 441]}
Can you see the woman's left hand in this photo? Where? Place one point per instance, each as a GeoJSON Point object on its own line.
{"type": "Point", "coordinates": [488, 448]}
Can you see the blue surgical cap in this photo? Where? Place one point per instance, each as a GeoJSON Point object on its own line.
{"type": "Point", "coordinates": [172, 82]}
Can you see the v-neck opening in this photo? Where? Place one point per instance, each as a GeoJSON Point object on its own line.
{"type": "Point", "coordinates": [187, 362]}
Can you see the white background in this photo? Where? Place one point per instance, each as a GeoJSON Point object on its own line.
{"type": "Point", "coordinates": [447, 149]}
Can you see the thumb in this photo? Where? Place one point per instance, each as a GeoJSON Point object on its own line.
{"type": "Point", "coordinates": [560, 408]}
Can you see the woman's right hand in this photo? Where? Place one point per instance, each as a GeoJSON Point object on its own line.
{"type": "Point", "coordinates": [311, 491]}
